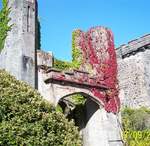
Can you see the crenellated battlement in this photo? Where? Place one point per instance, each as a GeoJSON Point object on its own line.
{"type": "Point", "coordinates": [133, 47]}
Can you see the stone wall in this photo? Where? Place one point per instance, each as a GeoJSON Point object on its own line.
{"type": "Point", "coordinates": [18, 55]}
{"type": "Point", "coordinates": [94, 52]}
{"type": "Point", "coordinates": [102, 128]}
{"type": "Point", "coordinates": [98, 84]}
{"type": "Point", "coordinates": [134, 72]}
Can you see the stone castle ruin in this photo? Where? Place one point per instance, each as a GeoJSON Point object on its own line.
{"type": "Point", "coordinates": [134, 72]}
{"type": "Point", "coordinates": [94, 76]}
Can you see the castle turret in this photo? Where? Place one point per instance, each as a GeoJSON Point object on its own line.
{"type": "Point", "coordinates": [18, 55]}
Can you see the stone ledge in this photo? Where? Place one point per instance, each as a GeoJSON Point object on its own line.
{"type": "Point", "coordinates": [133, 46]}
{"type": "Point", "coordinates": [82, 79]}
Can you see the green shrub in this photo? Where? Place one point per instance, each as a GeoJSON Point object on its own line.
{"type": "Point", "coordinates": [136, 126]}
{"type": "Point", "coordinates": [62, 65]}
{"type": "Point", "coordinates": [27, 120]}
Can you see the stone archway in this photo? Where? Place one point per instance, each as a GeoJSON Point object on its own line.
{"type": "Point", "coordinates": [53, 88]}
{"type": "Point", "coordinates": [96, 78]}
{"type": "Point", "coordinates": [100, 127]}
{"type": "Point", "coordinates": [97, 127]}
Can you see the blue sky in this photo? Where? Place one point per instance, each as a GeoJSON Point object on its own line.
{"type": "Point", "coordinates": [128, 20]}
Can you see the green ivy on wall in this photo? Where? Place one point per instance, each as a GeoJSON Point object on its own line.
{"type": "Point", "coordinates": [78, 99]}
{"type": "Point", "coordinates": [76, 53]}
{"type": "Point", "coordinates": [76, 56]}
{"type": "Point", "coordinates": [4, 20]}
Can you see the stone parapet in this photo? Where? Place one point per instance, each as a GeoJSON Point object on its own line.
{"type": "Point", "coordinates": [44, 58]}
{"type": "Point", "coordinates": [134, 46]}
{"type": "Point", "coordinates": [74, 77]}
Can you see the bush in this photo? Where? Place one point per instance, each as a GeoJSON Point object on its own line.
{"type": "Point", "coordinates": [27, 120]}
{"type": "Point", "coordinates": [136, 126]}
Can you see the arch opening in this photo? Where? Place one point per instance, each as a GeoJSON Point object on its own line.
{"type": "Point", "coordinates": [76, 107]}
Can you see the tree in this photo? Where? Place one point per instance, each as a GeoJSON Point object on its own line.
{"type": "Point", "coordinates": [4, 20]}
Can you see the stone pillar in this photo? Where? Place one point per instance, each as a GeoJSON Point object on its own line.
{"type": "Point", "coordinates": [101, 128]}
{"type": "Point", "coordinates": [18, 55]}
{"type": "Point", "coordinates": [44, 61]}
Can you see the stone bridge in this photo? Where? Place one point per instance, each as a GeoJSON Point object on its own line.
{"type": "Point", "coordinates": [61, 84]}
{"type": "Point", "coordinates": [93, 75]}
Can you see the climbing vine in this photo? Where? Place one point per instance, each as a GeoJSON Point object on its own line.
{"type": "Point", "coordinates": [76, 56]}
{"type": "Point", "coordinates": [95, 50]}
{"type": "Point", "coordinates": [75, 64]}
{"type": "Point", "coordinates": [4, 20]}
{"type": "Point", "coordinates": [76, 53]}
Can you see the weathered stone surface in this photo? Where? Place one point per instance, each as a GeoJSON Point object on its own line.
{"type": "Point", "coordinates": [134, 73]}
{"type": "Point", "coordinates": [102, 128]}
{"type": "Point", "coordinates": [98, 84]}
{"type": "Point", "coordinates": [18, 55]}
{"type": "Point", "coordinates": [133, 46]}
{"type": "Point", "coordinates": [96, 77]}
{"type": "Point", "coordinates": [96, 55]}
{"type": "Point", "coordinates": [56, 85]}
{"type": "Point", "coordinates": [44, 58]}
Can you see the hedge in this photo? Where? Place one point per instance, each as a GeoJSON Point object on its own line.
{"type": "Point", "coordinates": [27, 120]}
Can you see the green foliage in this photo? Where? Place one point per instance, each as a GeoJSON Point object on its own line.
{"type": "Point", "coordinates": [78, 99]}
{"type": "Point", "coordinates": [137, 138]}
{"type": "Point", "coordinates": [79, 112]}
{"type": "Point", "coordinates": [27, 120]}
{"type": "Point", "coordinates": [136, 125]}
{"type": "Point", "coordinates": [76, 57]}
{"type": "Point", "coordinates": [136, 119]}
{"type": "Point", "coordinates": [4, 20]}
{"type": "Point", "coordinates": [76, 54]}
{"type": "Point", "coordinates": [59, 109]}
{"type": "Point", "coordinates": [62, 65]}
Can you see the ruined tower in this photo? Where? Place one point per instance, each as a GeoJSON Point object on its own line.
{"type": "Point", "coordinates": [18, 55]}
{"type": "Point", "coordinates": [134, 72]}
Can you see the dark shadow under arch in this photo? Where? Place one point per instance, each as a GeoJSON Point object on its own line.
{"type": "Point", "coordinates": [86, 111]}
{"type": "Point", "coordinates": [86, 96]}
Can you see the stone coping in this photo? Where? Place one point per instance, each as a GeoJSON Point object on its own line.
{"type": "Point", "coordinates": [81, 79]}
{"type": "Point", "coordinates": [133, 45]}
